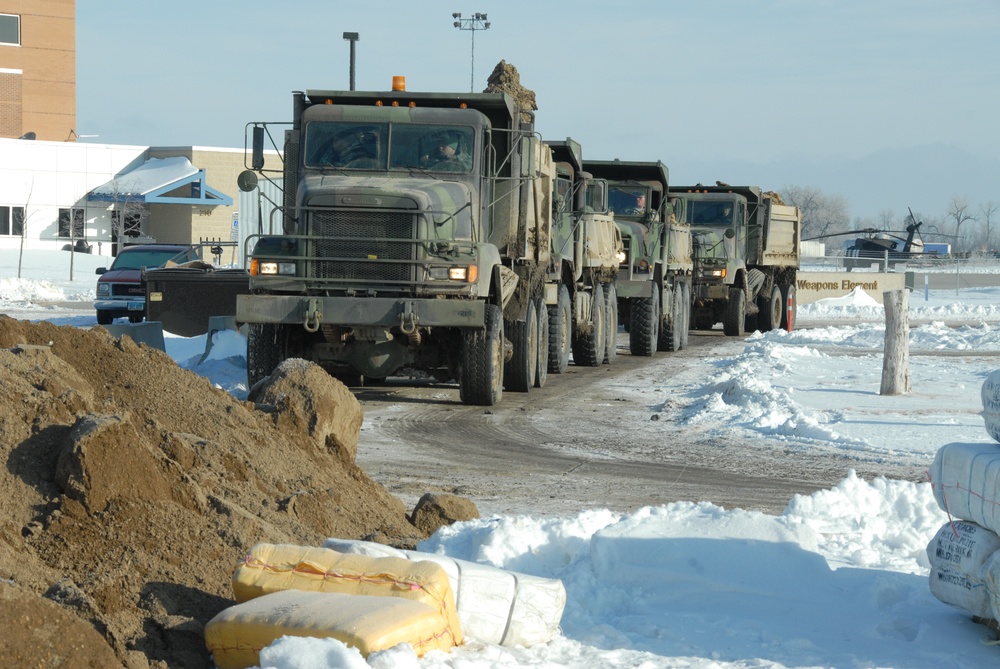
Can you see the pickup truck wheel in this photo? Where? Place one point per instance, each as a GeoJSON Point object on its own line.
{"type": "Point", "coordinates": [644, 325]}
{"type": "Point", "coordinates": [519, 372]}
{"type": "Point", "coordinates": [265, 350]}
{"type": "Point", "coordinates": [135, 318]}
{"type": "Point", "coordinates": [789, 306]}
{"type": "Point", "coordinates": [733, 320]}
{"type": "Point", "coordinates": [104, 318]}
{"type": "Point", "coordinates": [542, 366]}
{"type": "Point", "coordinates": [611, 332]}
{"type": "Point", "coordinates": [670, 333]}
{"type": "Point", "coordinates": [589, 348]}
{"type": "Point", "coordinates": [560, 332]}
{"type": "Point", "coordinates": [480, 378]}
{"type": "Point", "coordinates": [769, 317]}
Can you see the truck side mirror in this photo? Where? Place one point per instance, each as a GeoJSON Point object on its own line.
{"type": "Point", "coordinates": [257, 157]}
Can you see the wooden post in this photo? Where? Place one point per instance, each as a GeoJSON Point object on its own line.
{"type": "Point", "coordinates": [896, 358]}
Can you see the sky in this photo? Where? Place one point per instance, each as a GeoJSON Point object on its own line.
{"type": "Point", "coordinates": [890, 104]}
{"type": "Point", "coordinates": [839, 579]}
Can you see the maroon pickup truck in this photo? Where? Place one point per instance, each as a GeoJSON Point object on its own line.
{"type": "Point", "coordinates": [121, 292]}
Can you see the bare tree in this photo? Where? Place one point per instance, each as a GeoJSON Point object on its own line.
{"type": "Point", "coordinates": [127, 213]}
{"type": "Point", "coordinates": [987, 212]}
{"type": "Point", "coordinates": [821, 214]}
{"type": "Point", "coordinates": [958, 214]}
{"type": "Point", "coordinates": [26, 215]}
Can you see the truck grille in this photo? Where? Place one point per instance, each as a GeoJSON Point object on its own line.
{"type": "Point", "coordinates": [359, 245]}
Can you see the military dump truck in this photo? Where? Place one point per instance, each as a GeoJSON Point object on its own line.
{"type": "Point", "coordinates": [654, 273]}
{"type": "Point", "coordinates": [746, 252]}
{"type": "Point", "coordinates": [580, 290]}
{"type": "Point", "coordinates": [416, 239]}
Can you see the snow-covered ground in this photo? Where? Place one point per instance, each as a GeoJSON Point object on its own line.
{"type": "Point", "coordinates": [840, 579]}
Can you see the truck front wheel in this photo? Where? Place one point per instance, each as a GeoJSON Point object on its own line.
{"type": "Point", "coordinates": [480, 379]}
{"type": "Point", "coordinates": [589, 349]}
{"type": "Point", "coordinates": [560, 332]}
{"type": "Point", "coordinates": [519, 372]}
{"type": "Point", "coordinates": [265, 350]}
{"type": "Point", "coordinates": [670, 334]}
{"type": "Point", "coordinates": [732, 323]}
{"type": "Point", "coordinates": [644, 324]}
{"type": "Point", "coordinates": [611, 322]}
{"type": "Point", "coordinates": [542, 373]}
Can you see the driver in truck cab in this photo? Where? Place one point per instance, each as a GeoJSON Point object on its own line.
{"type": "Point", "coordinates": [446, 155]}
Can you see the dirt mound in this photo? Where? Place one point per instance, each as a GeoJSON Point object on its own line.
{"type": "Point", "coordinates": [132, 488]}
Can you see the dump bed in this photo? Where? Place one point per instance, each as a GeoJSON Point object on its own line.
{"type": "Point", "coordinates": [781, 235]}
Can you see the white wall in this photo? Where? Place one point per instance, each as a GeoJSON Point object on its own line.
{"type": "Point", "coordinates": [43, 177]}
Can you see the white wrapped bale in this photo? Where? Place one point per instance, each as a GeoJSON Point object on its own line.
{"type": "Point", "coordinates": [494, 605]}
{"type": "Point", "coordinates": [991, 404]}
{"type": "Point", "coordinates": [958, 554]}
{"type": "Point", "coordinates": [966, 482]}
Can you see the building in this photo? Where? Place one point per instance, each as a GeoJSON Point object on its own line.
{"type": "Point", "coordinates": [57, 193]}
{"type": "Point", "coordinates": [38, 69]}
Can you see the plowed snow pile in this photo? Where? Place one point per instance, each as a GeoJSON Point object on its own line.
{"type": "Point", "coordinates": [133, 487]}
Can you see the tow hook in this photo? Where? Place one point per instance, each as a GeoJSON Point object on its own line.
{"type": "Point", "coordinates": [314, 314]}
{"type": "Point", "coordinates": [408, 320]}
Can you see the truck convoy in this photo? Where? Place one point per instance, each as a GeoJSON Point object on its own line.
{"type": "Point", "coordinates": [654, 275]}
{"type": "Point", "coordinates": [580, 286]}
{"type": "Point", "coordinates": [418, 235]}
{"type": "Point", "coordinates": [746, 254]}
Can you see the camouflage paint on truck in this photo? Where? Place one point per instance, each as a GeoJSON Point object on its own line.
{"type": "Point", "coordinates": [416, 232]}
{"type": "Point", "coordinates": [746, 250]}
{"type": "Point", "coordinates": [654, 275]}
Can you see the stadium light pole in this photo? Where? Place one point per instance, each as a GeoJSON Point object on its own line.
{"type": "Point", "coordinates": [476, 22]}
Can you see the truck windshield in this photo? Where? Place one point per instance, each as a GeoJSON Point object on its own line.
{"type": "Point", "coordinates": [402, 146]}
{"type": "Point", "coordinates": [629, 201]}
{"type": "Point", "coordinates": [710, 213]}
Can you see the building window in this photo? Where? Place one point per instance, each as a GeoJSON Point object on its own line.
{"type": "Point", "coordinates": [132, 226]}
{"type": "Point", "coordinates": [12, 221]}
{"type": "Point", "coordinates": [77, 231]}
{"type": "Point", "coordinates": [10, 29]}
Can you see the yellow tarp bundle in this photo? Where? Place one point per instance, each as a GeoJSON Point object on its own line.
{"type": "Point", "coordinates": [271, 568]}
{"type": "Point", "coordinates": [236, 635]}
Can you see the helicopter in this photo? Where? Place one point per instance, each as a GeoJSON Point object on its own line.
{"type": "Point", "coordinates": [873, 245]}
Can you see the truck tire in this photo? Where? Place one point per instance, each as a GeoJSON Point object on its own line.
{"type": "Point", "coordinates": [685, 289]}
{"type": "Point", "coordinates": [542, 366]}
{"type": "Point", "coordinates": [265, 350]}
{"type": "Point", "coordinates": [589, 348]}
{"type": "Point", "coordinates": [480, 378]}
{"type": "Point", "coordinates": [789, 307]}
{"type": "Point", "coordinates": [670, 332]}
{"type": "Point", "coordinates": [519, 372]}
{"type": "Point", "coordinates": [560, 332]}
{"type": "Point", "coordinates": [770, 307]}
{"type": "Point", "coordinates": [611, 320]}
{"type": "Point", "coordinates": [644, 325]}
{"type": "Point", "coordinates": [733, 319]}
{"type": "Point", "coordinates": [104, 317]}
{"type": "Point", "coordinates": [736, 307]}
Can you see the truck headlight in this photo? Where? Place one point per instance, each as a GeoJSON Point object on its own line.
{"type": "Point", "coordinates": [271, 268]}
{"type": "Point", "coordinates": [463, 273]}
{"type": "Point", "coordinates": [622, 257]}
{"type": "Point", "coordinates": [103, 289]}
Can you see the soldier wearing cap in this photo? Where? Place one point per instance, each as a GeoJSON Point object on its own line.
{"type": "Point", "coordinates": [447, 156]}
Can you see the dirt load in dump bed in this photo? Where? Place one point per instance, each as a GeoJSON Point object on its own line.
{"type": "Point", "coordinates": [132, 487]}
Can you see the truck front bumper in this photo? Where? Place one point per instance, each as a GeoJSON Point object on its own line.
{"type": "Point", "coordinates": [360, 311]}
